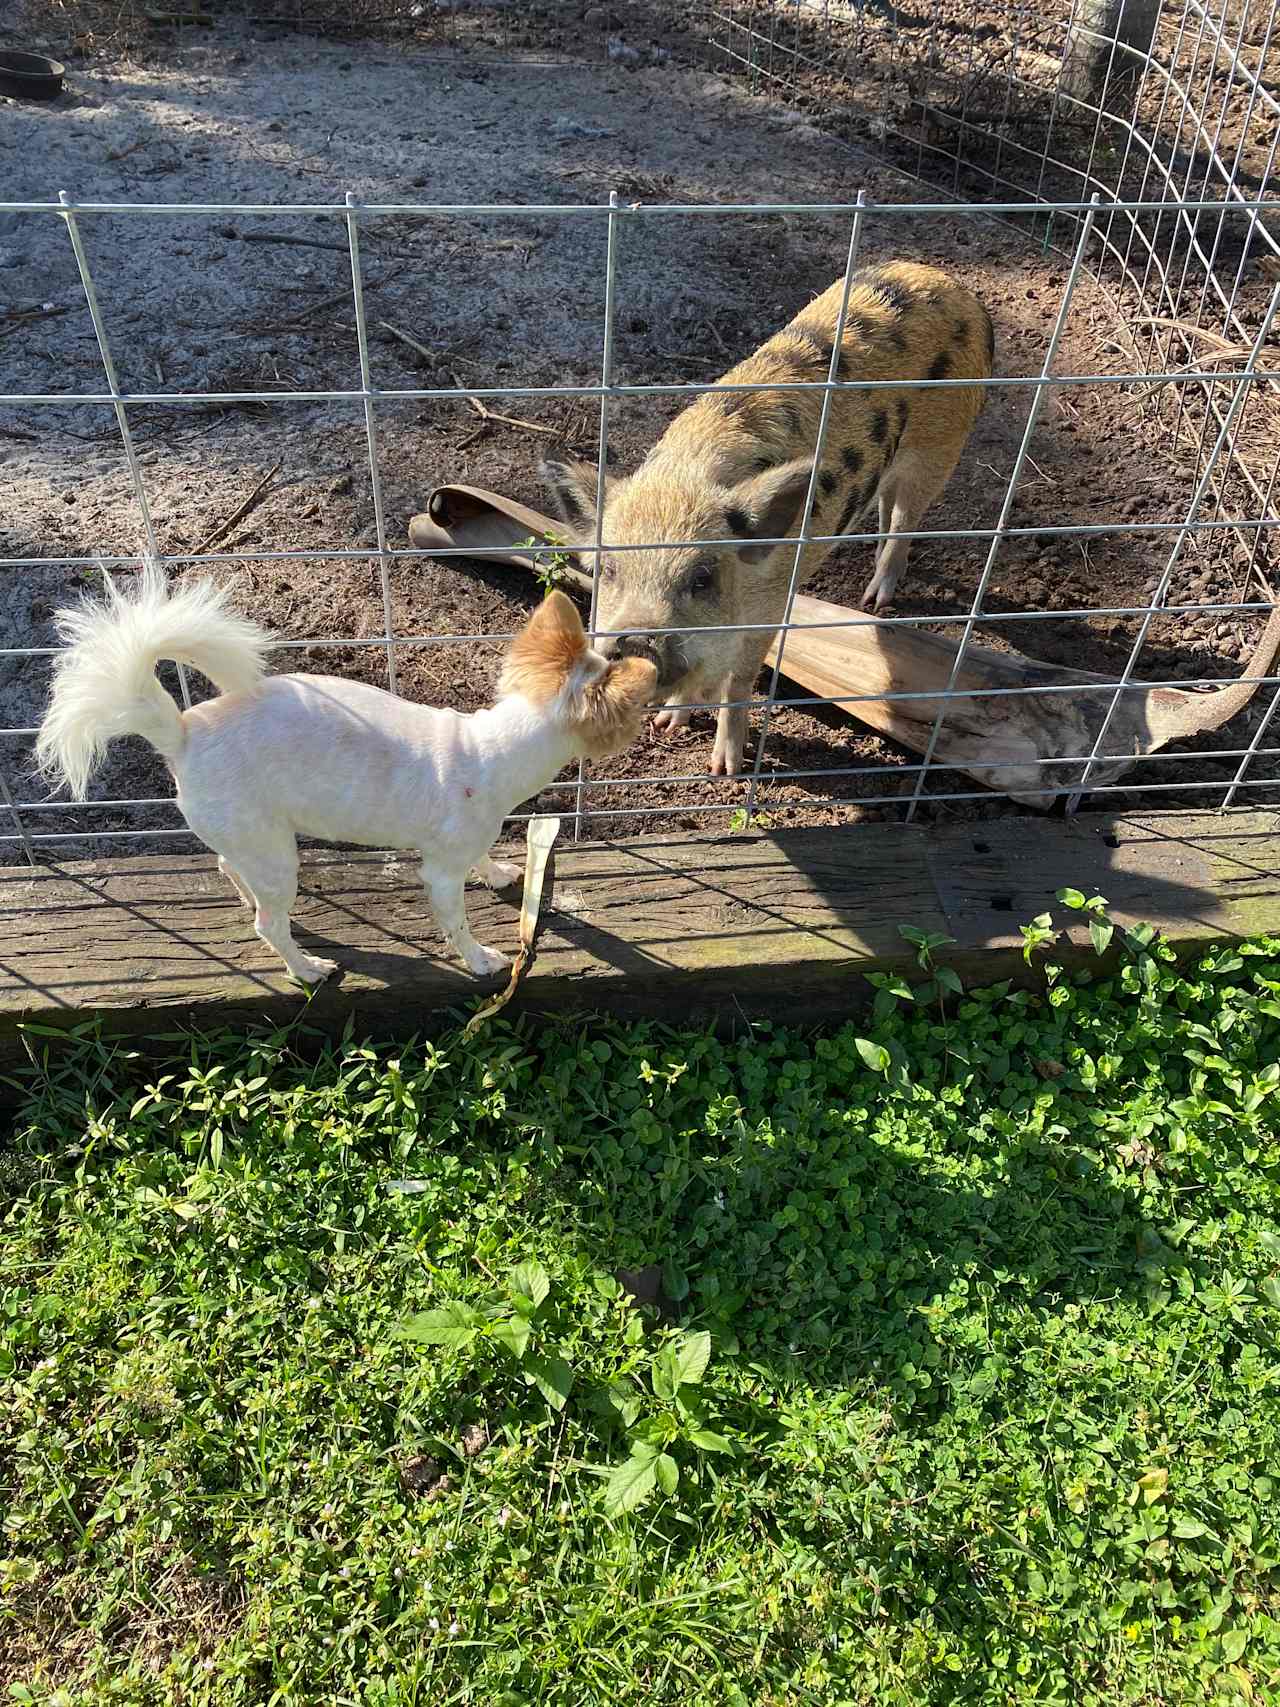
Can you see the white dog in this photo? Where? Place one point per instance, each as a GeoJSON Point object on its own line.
{"type": "Point", "coordinates": [276, 757]}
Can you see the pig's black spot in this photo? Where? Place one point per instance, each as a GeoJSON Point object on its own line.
{"type": "Point", "coordinates": [898, 342]}
{"type": "Point", "coordinates": [895, 294]}
{"type": "Point", "coordinates": [827, 481]}
{"type": "Point", "coordinates": [858, 500]}
{"type": "Point", "coordinates": [960, 332]}
{"type": "Point", "coordinates": [791, 415]}
{"type": "Point", "coordinates": [940, 367]}
{"type": "Point", "coordinates": [852, 458]}
{"type": "Point", "coordinates": [738, 522]}
{"type": "Point", "coordinates": [813, 351]}
{"type": "Point", "coordinates": [763, 464]}
{"type": "Point", "coordinates": [903, 413]}
{"type": "Point", "coordinates": [879, 427]}
{"type": "Point", "coordinates": [991, 340]}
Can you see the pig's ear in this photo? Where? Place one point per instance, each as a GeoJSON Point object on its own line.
{"type": "Point", "coordinates": [768, 506]}
{"type": "Point", "coordinates": [573, 486]}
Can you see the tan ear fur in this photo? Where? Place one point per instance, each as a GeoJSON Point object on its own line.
{"type": "Point", "coordinates": [573, 485]}
{"type": "Point", "coordinates": [614, 707]}
{"type": "Point", "coordinates": [545, 651]}
{"type": "Point", "coordinates": [772, 502]}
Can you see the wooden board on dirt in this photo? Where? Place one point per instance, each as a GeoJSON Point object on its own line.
{"type": "Point", "coordinates": [726, 929]}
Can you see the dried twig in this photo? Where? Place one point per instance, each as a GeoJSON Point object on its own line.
{"type": "Point", "coordinates": [406, 339]}
{"type": "Point", "coordinates": [237, 516]}
{"type": "Point", "coordinates": [487, 415]}
{"type": "Point", "coordinates": [477, 406]}
{"type": "Point", "coordinates": [294, 242]}
{"type": "Point", "coordinates": [429, 355]}
{"type": "Point", "coordinates": [1047, 478]}
{"type": "Point", "coordinates": [324, 303]}
{"type": "Point", "coordinates": [15, 322]}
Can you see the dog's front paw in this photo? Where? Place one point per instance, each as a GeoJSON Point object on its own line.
{"type": "Point", "coordinates": [501, 874]}
{"type": "Point", "coordinates": [311, 969]}
{"type": "Point", "coordinates": [486, 962]}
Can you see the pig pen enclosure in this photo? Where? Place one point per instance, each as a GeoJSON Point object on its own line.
{"type": "Point", "coordinates": [270, 280]}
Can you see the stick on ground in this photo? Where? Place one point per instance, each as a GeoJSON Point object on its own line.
{"type": "Point", "coordinates": [250, 503]}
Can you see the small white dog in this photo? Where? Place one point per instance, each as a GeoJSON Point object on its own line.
{"type": "Point", "coordinates": [276, 757]}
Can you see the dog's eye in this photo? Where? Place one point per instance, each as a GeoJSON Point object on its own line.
{"type": "Point", "coordinates": [703, 578]}
{"type": "Point", "coordinates": [608, 570]}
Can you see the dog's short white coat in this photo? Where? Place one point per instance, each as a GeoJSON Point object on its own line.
{"type": "Point", "coordinates": [276, 757]}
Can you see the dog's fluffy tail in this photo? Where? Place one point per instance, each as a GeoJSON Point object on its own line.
{"type": "Point", "coordinates": [105, 684]}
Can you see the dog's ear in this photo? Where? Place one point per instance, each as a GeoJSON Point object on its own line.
{"type": "Point", "coordinates": [556, 623]}
{"type": "Point", "coordinates": [615, 706]}
{"type": "Point", "coordinates": [573, 486]}
{"type": "Point", "coordinates": [545, 651]}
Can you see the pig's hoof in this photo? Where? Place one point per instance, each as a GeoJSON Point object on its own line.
{"type": "Point", "coordinates": [673, 717]}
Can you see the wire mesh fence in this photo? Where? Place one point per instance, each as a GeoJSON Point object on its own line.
{"type": "Point", "coordinates": [1146, 166]}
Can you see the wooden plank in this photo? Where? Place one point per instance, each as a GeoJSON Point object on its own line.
{"type": "Point", "coordinates": [724, 928]}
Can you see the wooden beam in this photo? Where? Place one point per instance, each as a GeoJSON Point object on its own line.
{"type": "Point", "coordinates": [722, 929]}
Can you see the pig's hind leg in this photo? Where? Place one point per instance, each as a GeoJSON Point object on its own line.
{"type": "Point", "coordinates": [909, 487]}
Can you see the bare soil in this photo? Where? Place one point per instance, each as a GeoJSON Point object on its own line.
{"type": "Point", "coordinates": [216, 302]}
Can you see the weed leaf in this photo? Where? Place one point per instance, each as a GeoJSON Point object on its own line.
{"type": "Point", "coordinates": [552, 1377]}
{"type": "Point", "coordinates": [692, 1355]}
{"type": "Point", "coordinates": [632, 1482]}
{"type": "Point", "coordinates": [453, 1325]}
{"type": "Point", "coordinates": [530, 1278]}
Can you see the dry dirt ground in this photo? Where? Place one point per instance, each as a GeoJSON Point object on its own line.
{"type": "Point", "coordinates": [218, 302]}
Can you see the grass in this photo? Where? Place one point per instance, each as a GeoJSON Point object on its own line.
{"type": "Point", "coordinates": [958, 1381]}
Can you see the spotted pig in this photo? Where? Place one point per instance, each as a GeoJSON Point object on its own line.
{"type": "Point", "coordinates": [736, 466]}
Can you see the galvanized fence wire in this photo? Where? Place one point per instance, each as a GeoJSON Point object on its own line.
{"type": "Point", "coordinates": [602, 456]}
{"type": "Point", "coordinates": [368, 395]}
{"type": "Point", "coordinates": [786, 68]}
{"type": "Point", "coordinates": [806, 515]}
{"type": "Point", "coordinates": [1006, 505]}
{"type": "Point", "coordinates": [1111, 224]}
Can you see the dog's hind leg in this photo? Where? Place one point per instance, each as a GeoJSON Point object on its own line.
{"type": "Point", "coordinates": [448, 902]}
{"type": "Point", "coordinates": [267, 877]}
{"type": "Point", "coordinates": [237, 882]}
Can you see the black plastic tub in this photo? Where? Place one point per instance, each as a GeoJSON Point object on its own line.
{"type": "Point", "coordinates": [30, 75]}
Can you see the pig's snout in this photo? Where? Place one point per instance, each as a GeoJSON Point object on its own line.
{"type": "Point", "coordinates": [638, 645]}
{"type": "Point", "coordinates": [655, 649]}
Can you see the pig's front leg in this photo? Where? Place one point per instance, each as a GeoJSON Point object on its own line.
{"type": "Point", "coordinates": [731, 724]}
